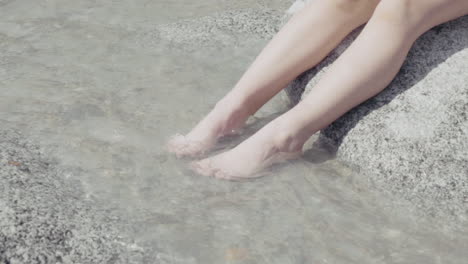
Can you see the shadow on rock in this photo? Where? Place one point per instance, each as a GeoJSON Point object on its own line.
{"type": "Point", "coordinates": [431, 49]}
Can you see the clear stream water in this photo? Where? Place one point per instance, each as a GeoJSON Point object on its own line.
{"type": "Point", "coordinates": [92, 82]}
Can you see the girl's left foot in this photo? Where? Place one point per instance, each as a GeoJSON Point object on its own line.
{"type": "Point", "coordinates": [227, 118]}
{"type": "Point", "coordinates": [269, 146]}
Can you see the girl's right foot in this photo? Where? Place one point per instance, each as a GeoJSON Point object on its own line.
{"type": "Point", "coordinates": [227, 118]}
{"type": "Point", "coordinates": [276, 142]}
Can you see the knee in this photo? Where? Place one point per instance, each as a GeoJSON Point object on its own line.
{"type": "Point", "coordinates": [354, 6]}
{"type": "Point", "coordinates": [347, 4]}
{"type": "Point", "coordinates": [404, 12]}
{"type": "Point", "coordinates": [422, 13]}
{"type": "Point", "coordinates": [355, 9]}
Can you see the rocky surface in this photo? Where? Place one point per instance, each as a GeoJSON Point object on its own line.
{"type": "Point", "coordinates": [411, 140]}
{"type": "Point", "coordinates": [44, 215]}
{"type": "Point", "coordinates": [222, 29]}
{"type": "Point", "coordinates": [96, 85]}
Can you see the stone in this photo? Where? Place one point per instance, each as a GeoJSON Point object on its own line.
{"type": "Point", "coordinates": [220, 29]}
{"type": "Point", "coordinates": [411, 140]}
{"type": "Point", "coordinates": [45, 216]}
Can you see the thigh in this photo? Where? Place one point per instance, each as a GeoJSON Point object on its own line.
{"type": "Point", "coordinates": [436, 12]}
{"type": "Point", "coordinates": [418, 16]}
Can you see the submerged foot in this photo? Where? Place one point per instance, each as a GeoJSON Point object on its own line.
{"type": "Point", "coordinates": [251, 157]}
{"type": "Point", "coordinates": [227, 118]}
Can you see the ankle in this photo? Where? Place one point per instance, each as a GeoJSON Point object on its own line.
{"type": "Point", "coordinates": [286, 138]}
{"type": "Point", "coordinates": [233, 107]}
{"type": "Point", "coordinates": [232, 115]}
{"type": "Point", "coordinates": [239, 102]}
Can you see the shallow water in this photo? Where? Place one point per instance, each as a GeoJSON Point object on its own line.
{"type": "Point", "coordinates": [102, 89]}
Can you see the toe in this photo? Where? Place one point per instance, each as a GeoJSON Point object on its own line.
{"type": "Point", "coordinates": [201, 167]}
{"type": "Point", "coordinates": [192, 149]}
{"type": "Point", "coordinates": [183, 147]}
{"type": "Point", "coordinates": [219, 174]}
{"type": "Point", "coordinates": [175, 142]}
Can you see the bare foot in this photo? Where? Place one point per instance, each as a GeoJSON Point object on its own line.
{"type": "Point", "coordinates": [249, 158]}
{"type": "Point", "coordinates": [227, 118]}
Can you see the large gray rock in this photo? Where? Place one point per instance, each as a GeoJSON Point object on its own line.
{"type": "Point", "coordinates": [44, 217]}
{"type": "Point", "coordinates": [411, 140]}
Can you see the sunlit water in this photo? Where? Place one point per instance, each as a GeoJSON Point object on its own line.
{"type": "Point", "coordinates": [94, 84]}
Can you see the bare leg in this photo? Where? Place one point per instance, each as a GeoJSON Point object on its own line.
{"type": "Point", "coordinates": [361, 72]}
{"type": "Point", "coordinates": [303, 42]}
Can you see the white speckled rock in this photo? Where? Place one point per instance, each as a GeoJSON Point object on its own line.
{"type": "Point", "coordinates": [412, 139]}
{"type": "Point", "coordinates": [44, 217]}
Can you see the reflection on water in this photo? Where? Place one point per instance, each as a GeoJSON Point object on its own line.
{"type": "Point", "coordinates": [106, 93]}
